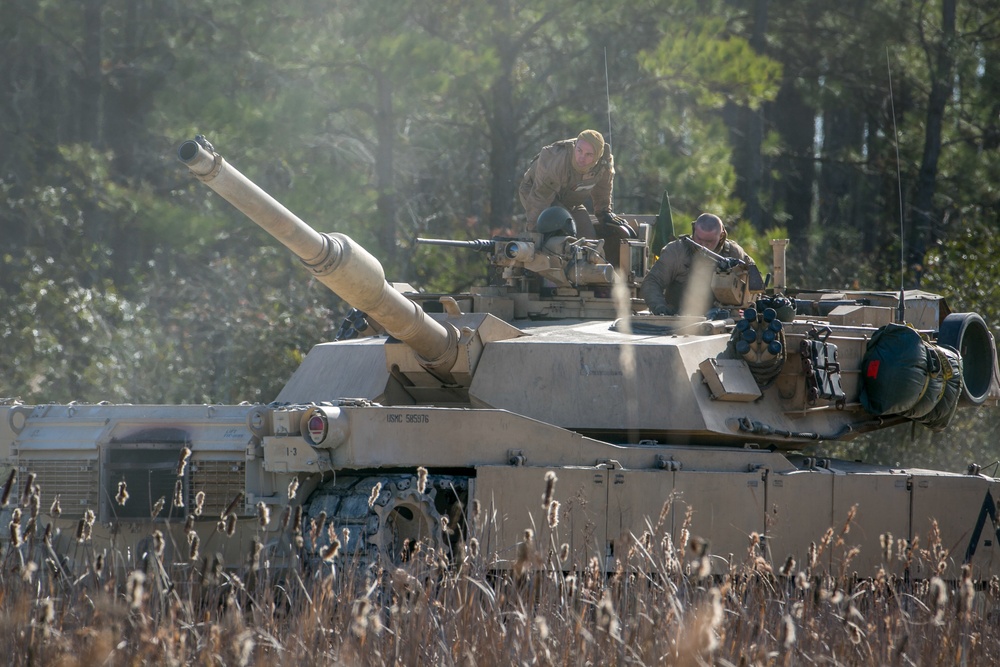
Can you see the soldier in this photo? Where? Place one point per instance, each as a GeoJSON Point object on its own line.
{"type": "Point", "coordinates": [567, 174]}
{"type": "Point", "coordinates": [665, 288]}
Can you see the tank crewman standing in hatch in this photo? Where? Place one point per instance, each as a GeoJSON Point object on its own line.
{"type": "Point", "coordinates": [567, 174]}
{"type": "Point", "coordinates": [665, 289]}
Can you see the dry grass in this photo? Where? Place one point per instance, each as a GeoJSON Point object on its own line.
{"type": "Point", "coordinates": [660, 606]}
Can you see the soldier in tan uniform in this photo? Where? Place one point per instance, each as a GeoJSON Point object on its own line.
{"type": "Point", "coordinates": [680, 282]}
{"type": "Point", "coordinates": [567, 174]}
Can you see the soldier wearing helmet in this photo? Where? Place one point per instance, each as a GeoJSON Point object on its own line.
{"type": "Point", "coordinates": [567, 174]}
{"type": "Point", "coordinates": [680, 281]}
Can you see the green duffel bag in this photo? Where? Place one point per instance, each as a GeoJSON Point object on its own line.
{"type": "Point", "coordinates": [895, 371]}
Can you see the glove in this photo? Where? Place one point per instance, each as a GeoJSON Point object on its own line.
{"type": "Point", "coordinates": [717, 314]}
{"type": "Point", "coordinates": [663, 310]}
{"type": "Point", "coordinates": [612, 220]}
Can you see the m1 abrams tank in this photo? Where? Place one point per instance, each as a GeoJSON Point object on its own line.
{"type": "Point", "coordinates": [439, 418]}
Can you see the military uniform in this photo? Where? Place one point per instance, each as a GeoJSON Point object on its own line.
{"type": "Point", "coordinates": [552, 180]}
{"type": "Point", "coordinates": [681, 265]}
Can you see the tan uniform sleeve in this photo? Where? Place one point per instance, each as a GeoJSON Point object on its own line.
{"type": "Point", "coordinates": [601, 195]}
{"type": "Point", "coordinates": [655, 284]}
{"type": "Point", "coordinates": [539, 187]}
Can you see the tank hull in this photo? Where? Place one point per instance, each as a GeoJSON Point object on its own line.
{"type": "Point", "coordinates": [488, 478]}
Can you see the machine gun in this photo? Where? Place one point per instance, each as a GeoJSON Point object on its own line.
{"type": "Point", "coordinates": [565, 261]}
{"type": "Point", "coordinates": [735, 282]}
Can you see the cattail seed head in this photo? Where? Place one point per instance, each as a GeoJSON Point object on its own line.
{"type": "Point", "coordinates": [189, 523]}
{"type": "Point", "coordinates": [193, 543]}
{"type": "Point", "coordinates": [231, 508]}
{"type": "Point", "coordinates": [230, 525]}
{"type": "Point", "coordinates": [263, 514]}
{"type": "Point", "coordinates": [297, 519]}
{"type": "Point", "coordinates": [7, 488]}
{"type": "Point", "coordinates": [199, 503]}
{"type": "Point", "coordinates": [293, 488]}
{"type": "Point", "coordinates": [179, 493]}
{"type": "Point", "coordinates": [376, 490]}
{"type": "Point", "coordinates": [253, 559]}
{"type": "Point", "coordinates": [158, 543]}
{"type": "Point", "coordinates": [55, 511]}
{"type": "Point", "coordinates": [134, 586]}
{"type": "Point", "coordinates": [553, 514]}
{"type": "Point", "coordinates": [122, 496]}
{"type": "Point", "coordinates": [29, 487]}
{"type": "Point", "coordinates": [550, 487]}
{"type": "Point", "coordinates": [421, 480]}
{"type": "Point", "coordinates": [182, 463]}
{"type": "Point", "coordinates": [99, 564]}
{"type": "Point", "coordinates": [158, 506]}
{"type": "Point", "coordinates": [331, 550]}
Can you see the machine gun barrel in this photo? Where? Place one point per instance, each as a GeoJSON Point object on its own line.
{"type": "Point", "coordinates": [335, 259]}
{"type": "Point", "coordinates": [723, 262]}
{"type": "Point", "coordinates": [486, 245]}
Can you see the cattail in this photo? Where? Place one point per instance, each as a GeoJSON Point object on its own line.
{"type": "Point", "coordinates": [564, 552]}
{"type": "Point", "coordinates": [316, 526]}
{"type": "Point", "coordinates": [29, 529]}
{"type": "Point", "coordinates": [967, 592]}
{"type": "Point", "coordinates": [297, 519]}
{"type": "Point", "coordinates": [253, 559]}
{"type": "Point", "coordinates": [421, 480]}
{"type": "Point", "coordinates": [182, 464]}
{"type": "Point", "coordinates": [476, 512]}
{"type": "Point", "coordinates": [199, 503]}
{"type": "Point", "coordinates": [158, 506]}
{"type": "Point", "coordinates": [15, 528]}
{"type": "Point", "coordinates": [885, 539]}
{"type": "Point", "coordinates": [134, 586]}
{"type": "Point", "coordinates": [231, 508]}
{"type": "Point", "coordinates": [474, 548]}
{"type": "Point", "coordinates": [46, 613]}
{"type": "Point", "coordinates": [99, 564]}
{"type": "Point", "coordinates": [541, 628]}
{"type": "Point", "coordinates": [263, 514]}
{"type": "Point", "coordinates": [553, 514]}
{"type": "Point", "coordinates": [376, 490]}
{"type": "Point", "coordinates": [158, 543]}
{"type": "Point", "coordinates": [193, 543]}
{"type": "Point", "coordinates": [293, 488]}
{"type": "Point", "coordinates": [443, 523]}
{"type": "Point", "coordinates": [189, 523]}
{"type": "Point", "coordinates": [35, 502]}
{"type": "Point", "coordinates": [789, 567]}
{"type": "Point", "coordinates": [607, 619]}
{"type": "Point", "coordinates": [787, 634]}
{"type": "Point", "coordinates": [345, 534]}
{"type": "Point", "coordinates": [331, 550]}
{"type": "Point", "coordinates": [230, 525]}
{"type": "Point", "coordinates": [88, 523]}
{"type": "Point", "coordinates": [55, 511]}
{"type": "Point", "coordinates": [29, 487]}
{"type": "Point", "coordinates": [939, 595]}
{"type": "Point", "coordinates": [179, 493]}
{"type": "Point", "coordinates": [7, 488]}
{"type": "Point", "coordinates": [122, 496]}
{"type": "Point", "coordinates": [47, 535]}
{"type": "Point", "coordinates": [550, 487]}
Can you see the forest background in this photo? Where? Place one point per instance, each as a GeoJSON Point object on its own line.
{"type": "Point", "coordinates": [865, 131]}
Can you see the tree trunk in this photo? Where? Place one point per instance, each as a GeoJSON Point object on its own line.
{"type": "Point", "coordinates": [922, 211]}
{"type": "Point", "coordinates": [387, 202]}
{"type": "Point", "coordinates": [794, 120]}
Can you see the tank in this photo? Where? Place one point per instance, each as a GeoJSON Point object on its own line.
{"type": "Point", "coordinates": [548, 402]}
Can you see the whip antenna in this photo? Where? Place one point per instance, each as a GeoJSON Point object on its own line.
{"type": "Point", "coordinates": [607, 91]}
{"type": "Point", "coordinates": [900, 316]}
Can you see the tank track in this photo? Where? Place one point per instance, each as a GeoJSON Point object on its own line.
{"type": "Point", "coordinates": [385, 517]}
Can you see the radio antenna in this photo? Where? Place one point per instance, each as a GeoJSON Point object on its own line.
{"type": "Point", "coordinates": [901, 311]}
{"type": "Point", "coordinates": [607, 91]}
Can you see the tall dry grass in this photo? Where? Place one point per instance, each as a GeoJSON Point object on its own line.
{"type": "Point", "coordinates": [661, 604]}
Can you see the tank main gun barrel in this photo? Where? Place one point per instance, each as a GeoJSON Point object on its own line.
{"type": "Point", "coordinates": [335, 259]}
{"type": "Point", "coordinates": [486, 245]}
